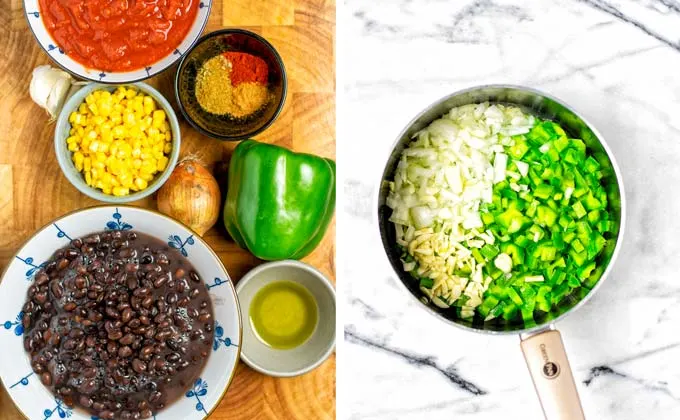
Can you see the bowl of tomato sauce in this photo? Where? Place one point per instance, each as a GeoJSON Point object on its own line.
{"type": "Point", "coordinates": [116, 41]}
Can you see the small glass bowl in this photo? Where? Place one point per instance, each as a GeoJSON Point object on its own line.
{"type": "Point", "coordinates": [225, 127]}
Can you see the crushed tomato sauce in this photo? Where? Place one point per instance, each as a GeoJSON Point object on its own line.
{"type": "Point", "coordinates": [118, 35]}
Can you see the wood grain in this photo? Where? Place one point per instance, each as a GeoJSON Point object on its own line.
{"type": "Point", "coordinates": [33, 191]}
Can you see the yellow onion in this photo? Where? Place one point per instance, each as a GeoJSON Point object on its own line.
{"type": "Point", "coordinates": [191, 195]}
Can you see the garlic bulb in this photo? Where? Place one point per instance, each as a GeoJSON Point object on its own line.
{"type": "Point", "coordinates": [49, 88]}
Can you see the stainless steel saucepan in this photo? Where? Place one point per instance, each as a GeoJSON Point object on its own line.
{"type": "Point", "coordinates": [541, 344]}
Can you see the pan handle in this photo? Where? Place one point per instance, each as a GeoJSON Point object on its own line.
{"type": "Point", "coordinates": [549, 367]}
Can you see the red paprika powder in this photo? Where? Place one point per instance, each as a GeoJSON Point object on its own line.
{"type": "Point", "coordinates": [247, 68]}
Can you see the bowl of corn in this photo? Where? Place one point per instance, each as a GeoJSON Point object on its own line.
{"type": "Point", "coordinates": [117, 143]}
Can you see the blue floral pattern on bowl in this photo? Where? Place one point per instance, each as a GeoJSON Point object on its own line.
{"type": "Point", "coordinates": [60, 409]}
{"type": "Point", "coordinates": [219, 339]}
{"type": "Point", "coordinates": [18, 326]}
{"type": "Point", "coordinates": [200, 389]}
{"type": "Point", "coordinates": [23, 381]}
{"type": "Point", "coordinates": [117, 223]}
{"type": "Point", "coordinates": [39, 403]}
{"type": "Point", "coordinates": [217, 282]}
{"type": "Point", "coordinates": [176, 242]}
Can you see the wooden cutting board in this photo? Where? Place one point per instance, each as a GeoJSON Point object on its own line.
{"type": "Point", "coordinates": [33, 190]}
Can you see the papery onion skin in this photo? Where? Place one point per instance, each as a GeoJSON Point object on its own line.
{"type": "Point", "coordinates": [192, 196]}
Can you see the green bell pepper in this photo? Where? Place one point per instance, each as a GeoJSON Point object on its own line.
{"type": "Point", "coordinates": [279, 203]}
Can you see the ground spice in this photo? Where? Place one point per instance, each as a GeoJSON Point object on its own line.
{"type": "Point", "coordinates": [217, 92]}
{"type": "Point", "coordinates": [247, 68]}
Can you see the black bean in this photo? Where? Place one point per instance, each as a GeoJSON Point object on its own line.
{"type": "Point", "coordinates": [127, 339]}
{"type": "Point", "coordinates": [160, 281]}
{"type": "Point", "coordinates": [63, 263]}
{"type": "Point", "coordinates": [88, 386]}
{"type": "Point", "coordinates": [80, 282]}
{"type": "Point", "coordinates": [192, 312]}
{"type": "Point", "coordinates": [112, 312]}
{"type": "Point", "coordinates": [184, 302]}
{"type": "Point", "coordinates": [70, 306]}
{"type": "Point", "coordinates": [41, 278]}
{"type": "Point", "coordinates": [115, 335]}
{"type": "Point", "coordinates": [205, 317]}
{"type": "Point", "coordinates": [194, 293]}
{"type": "Point", "coordinates": [125, 352]}
{"type": "Point", "coordinates": [106, 415]}
{"type": "Point", "coordinates": [194, 276]}
{"type": "Point", "coordinates": [171, 298]}
{"type": "Point", "coordinates": [40, 298]}
{"type": "Point", "coordinates": [142, 291]}
{"type": "Point", "coordinates": [147, 302]}
{"type": "Point", "coordinates": [155, 397]}
{"type": "Point", "coordinates": [146, 259]}
{"type": "Point", "coordinates": [138, 366]}
{"type": "Point", "coordinates": [85, 401]}
{"type": "Point", "coordinates": [98, 406]}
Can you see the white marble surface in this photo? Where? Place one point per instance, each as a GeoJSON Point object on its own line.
{"type": "Point", "coordinates": [616, 62]}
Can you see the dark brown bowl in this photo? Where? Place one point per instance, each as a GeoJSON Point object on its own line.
{"type": "Point", "coordinates": [225, 127]}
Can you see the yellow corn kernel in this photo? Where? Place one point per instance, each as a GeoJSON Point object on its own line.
{"type": "Point", "coordinates": [79, 119]}
{"type": "Point", "coordinates": [153, 132]}
{"type": "Point", "coordinates": [129, 118]}
{"type": "Point", "coordinates": [162, 163]}
{"type": "Point", "coordinates": [140, 183]}
{"type": "Point", "coordinates": [94, 146]}
{"type": "Point", "coordinates": [98, 165]}
{"type": "Point", "coordinates": [73, 147]}
{"type": "Point", "coordinates": [130, 93]}
{"type": "Point", "coordinates": [168, 136]}
{"type": "Point", "coordinates": [120, 191]}
{"type": "Point", "coordinates": [82, 109]}
{"type": "Point", "coordinates": [136, 152]}
{"type": "Point", "coordinates": [72, 117]}
{"type": "Point", "coordinates": [88, 178]}
{"type": "Point", "coordinates": [71, 139]}
{"type": "Point", "coordinates": [159, 115]}
{"type": "Point", "coordinates": [167, 148]}
{"type": "Point", "coordinates": [106, 178]}
{"type": "Point", "coordinates": [146, 177]}
{"type": "Point", "coordinates": [124, 150]}
{"type": "Point", "coordinates": [123, 177]}
{"type": "Point", "coordinates": [95, 174]}
{"type": "Point", "coordinates": [137, 163]}
{"type": "Point", "coordinates": [119, 132]}
{"type": "Point", "coordinates": [93, 108]}
{"type": "Point", "coordinates": [92, 134]}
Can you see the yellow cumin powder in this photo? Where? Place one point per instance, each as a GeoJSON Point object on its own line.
{"type": "Point", "coordinates": [216, 94]}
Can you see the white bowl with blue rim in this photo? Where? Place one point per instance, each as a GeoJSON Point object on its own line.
{"type": "Point", "coordinates": [65, 156]}
{"type": "Point", "coordinates": [31, 397]}
{"type": "Point", "coordinates": [37, 25]}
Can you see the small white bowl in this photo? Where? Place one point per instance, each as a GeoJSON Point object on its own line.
{"type": "Point", "coordinates": [64, 156]}
{"type": "Point", "coordinates": [35, 22]}
{"type": "Point", "coordinates": [30, 396]}
{"type": "Point", "coordinates": [310, 354]}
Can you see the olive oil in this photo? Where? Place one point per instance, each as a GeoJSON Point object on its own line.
{"type": "Point", "coordinates": [283, 314]}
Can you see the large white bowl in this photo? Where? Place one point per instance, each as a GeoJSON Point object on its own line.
{"type": "Point", "coordinates": [24, 387]}
{"type": "Point", "coordinates": [35, 22]}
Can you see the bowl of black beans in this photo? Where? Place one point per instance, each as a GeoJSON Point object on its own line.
{"type": "Point", "coordinates": [117, 313]}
